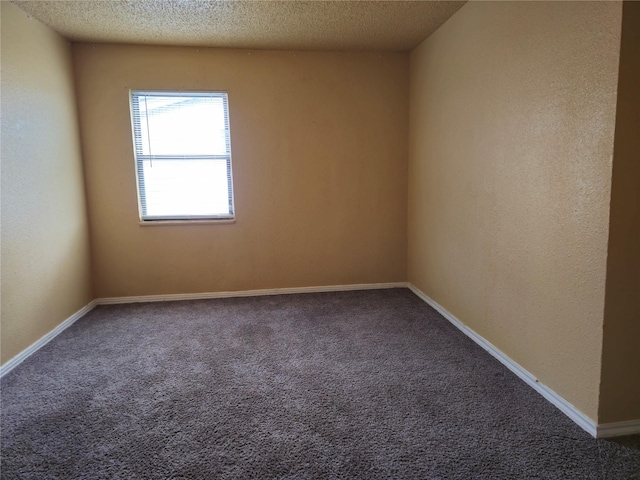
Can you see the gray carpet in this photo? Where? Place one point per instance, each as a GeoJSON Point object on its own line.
{"type": "Point", "coordinates": [370, 384]}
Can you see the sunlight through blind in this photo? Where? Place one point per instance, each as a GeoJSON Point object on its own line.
{"type": "Point", "coordinates": [183, 155]}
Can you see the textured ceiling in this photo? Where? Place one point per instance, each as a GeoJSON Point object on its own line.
{"type": "Point", "coordinates": [293, 24]}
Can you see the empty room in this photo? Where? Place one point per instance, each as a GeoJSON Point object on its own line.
{"type": "Point", "coordinates": [320, 239]}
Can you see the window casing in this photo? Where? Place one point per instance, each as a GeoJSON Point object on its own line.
{"type": "Point", "coordinates": [182, 148]}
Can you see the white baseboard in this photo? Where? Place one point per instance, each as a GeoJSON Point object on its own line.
{"type": "Point", "coordinates": [565, 407]}
{"type": "Point", "coordinates": [599, 431]}
{"type": "Point", "coordinates": [618, 429]}
{"type": "Point", "coordinates": [31, 349]}
{"type": "Point", "coordinates": [250, 293]}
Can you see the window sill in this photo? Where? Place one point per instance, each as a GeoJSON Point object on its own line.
{"type": "Point", "coordinates": [166, 223]}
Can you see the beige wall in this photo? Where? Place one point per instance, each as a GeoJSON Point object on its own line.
{"type": "Point", "coordinates": [45, 246]}
{"type": "Point", "coordinates": [319, 143]}
{"type": "Point", "coordinates": [620, 387]}
{"type": "Point", "coordinates": [511, 135]}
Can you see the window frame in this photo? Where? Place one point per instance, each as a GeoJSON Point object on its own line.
{"type": "Point", "coordinates": [139, 158]}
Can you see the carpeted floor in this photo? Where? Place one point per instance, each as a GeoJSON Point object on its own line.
{"type": "Point", "coordinates": [371, 384]}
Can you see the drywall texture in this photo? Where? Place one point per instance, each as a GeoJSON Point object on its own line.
{"type": "Point", "coordinates": [319, 144]}
{"type": "Point", "coordinates": [620, 383]}
{"type": "Point", "coordinates": [45, 243]}
{"type": "Point", "coordinates": [511, 135]}
{"type": "Point", "coordinates": [278, 25]}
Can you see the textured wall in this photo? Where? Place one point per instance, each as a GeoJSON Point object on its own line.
{"type": "Point", "coordinates": [45, 246]}
{"type": "Point", "coordinates": [620, 384]}
{"type": "Point", "coordinates": [511, 136]}
{"type": "Point", "coordinates": [319, 143]}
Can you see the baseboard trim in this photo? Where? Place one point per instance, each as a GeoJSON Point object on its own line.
{"type": "Point", "coordinates": [250, 293]}
{"type": "Point", "coordinates": [606, 430]}
{"type": "Point", "coordinates": [618, 429]}
{"type": "Point", "coordinates": [565, 407]}
{"type": "Point", "coordinates": [34, 347]}
{"type": "Point", "coordinates": [30, 350]}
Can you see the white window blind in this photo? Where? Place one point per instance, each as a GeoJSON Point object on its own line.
{"type": "Point", "coordinates": [183, 155]}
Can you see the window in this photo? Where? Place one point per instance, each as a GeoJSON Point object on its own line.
{"type": "Point", "coordinates": [183, 155]}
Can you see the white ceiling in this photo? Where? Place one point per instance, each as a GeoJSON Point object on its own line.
{"type": "Point", "coordinates": [267, 24]}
